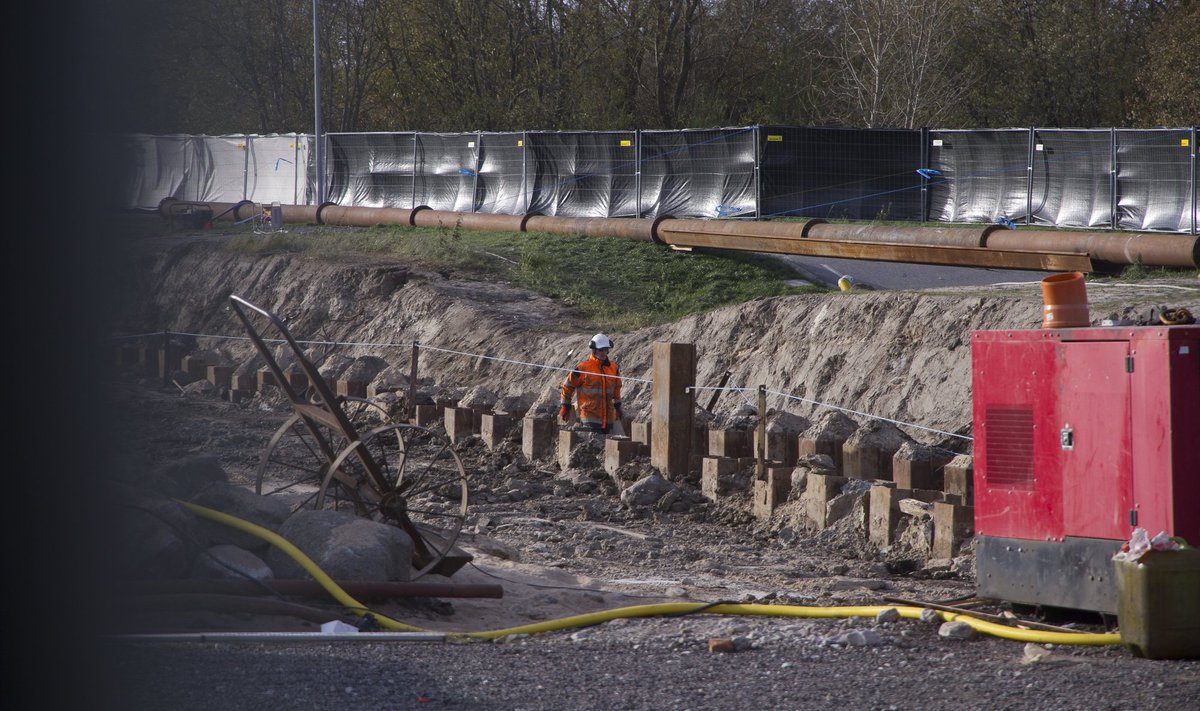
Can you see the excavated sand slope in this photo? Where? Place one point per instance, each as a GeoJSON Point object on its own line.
{"type": "Point", "coordinates": [903, 355]}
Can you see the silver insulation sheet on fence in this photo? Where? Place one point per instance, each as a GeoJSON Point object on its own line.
{"type": "Point", "coordinates": [1130, 179]}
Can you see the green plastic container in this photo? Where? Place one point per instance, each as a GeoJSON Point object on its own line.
{"type": "Point", "coordinates": [1158, 604]}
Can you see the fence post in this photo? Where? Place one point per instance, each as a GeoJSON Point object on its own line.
{"type": "Point", "coordinates": [1112, 178]}
{"type": "Point", "coordinates": [246, 170]}
{"type": "Point", "coordinates": [924, 180]}
{"type": "Point", "coordinates": [1029, 178]}
{"type": "Point", "coordinates": [1193, 156]}
{"type": "Point", "coordinates": [757, 179]}
{"type": "Point", "coordinates": [413, 206]}
{"type": "Point", "coordinates": [760, 466]}
{"type": "Point", "coordinates": [637, 169]}
{"type": "Point", "coordinates": [478, 165]}
{"type": "Point", "coordinates": [525, 170]}
{"type": "Point", "coordinates": [412, 384]}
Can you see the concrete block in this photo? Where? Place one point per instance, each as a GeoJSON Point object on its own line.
{"type": "Point", "coordinates": [959, 481]}
{"type": "Point", "coordinates": [953, 525]}
{"type": "Point", "coordinates": [297, 380]}
{"type": "Point", "coordinates": [925, 472]}
{"type": "Point", "coordinates": [538, 438]}
{"type": "Point", "coordinates": [619, 451]}
{"type": "Point", "coordinates": [244, 382]}
{"type": "Point", "coordinates": [351, 388]}
{"type": "Point", "coordinates": [264, 376]}
{"type": "Point", "coordinates": [712, 471]}
{"type": "Point", "coordinates": [884, 513]}
{"type": "Point", "coordinates": [781, 447]}
{"type": "Point", "coordinates": [494, 428]}
{"type": "Point", "coordinates": [640, 432]}
{"type": "Point", "coordinates": [567, 440]}
{"type": "Point", "coordinates": [220, 375]}
{"type": "Point", "coordinates": [426, 415]}
{"type": "Point", "coordinates": [771, 491]}
{"type": "Point", "coordinates": [829, 446]}
{"type": "Point", "coordinates": [729, 443]}
{"type": "Point", "coordinates": [866, 462]}
{"type": "Point", "coordinates": [170, 358]}
{"type": "Point", "coordinates": [196, 366]}
{"type": "Point", "coordinates": [459, 423]}
{"type": "Point", "coordinates": [819, 490]}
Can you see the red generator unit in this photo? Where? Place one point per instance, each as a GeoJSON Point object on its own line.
{"type": "Point", "coordinates": [1081, 435]}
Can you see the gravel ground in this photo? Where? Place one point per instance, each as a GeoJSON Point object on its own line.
{"type": "Point", "coordinates": [559, 552]}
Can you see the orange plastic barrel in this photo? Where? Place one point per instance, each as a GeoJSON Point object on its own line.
{"type": "Point", "coordinates": [1065, 301]}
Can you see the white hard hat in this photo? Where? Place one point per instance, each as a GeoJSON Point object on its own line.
{"type": "Point", "coordinates": [600, 341]}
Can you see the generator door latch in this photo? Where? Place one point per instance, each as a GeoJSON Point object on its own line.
{"type": "Point", "coordinates": [1066, 437]}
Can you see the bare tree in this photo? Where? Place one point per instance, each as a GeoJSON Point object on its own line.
{"type": "Point", "coordinates": [895, 62]}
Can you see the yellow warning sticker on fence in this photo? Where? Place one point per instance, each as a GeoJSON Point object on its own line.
{"type": "Point", "coordinates": [625, 143]}
{"type": "Point", "coordinates": [241, 146]}
{"type": "Point", "coordinates": [774, 138]}
{"type": "Point", "coordinates": [520, 143]}
{"type": "Point", "coordinates": [1184, 142]}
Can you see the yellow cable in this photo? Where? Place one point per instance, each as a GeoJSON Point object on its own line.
{"type": "Point", "coordinates": [656, 610]}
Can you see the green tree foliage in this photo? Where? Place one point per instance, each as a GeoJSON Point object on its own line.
{"type": "Point", "coordinates": [1169, 81]}
{"type": "Point", "coordinates": [226, 66]}
{"type": "Point", "coordinates": [1069, 63]}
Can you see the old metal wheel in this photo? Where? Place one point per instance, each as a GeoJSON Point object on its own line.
{"type": "Point", "coordinates": [295, 462]}
{"type": "Point", "coordinates": [426, 492]}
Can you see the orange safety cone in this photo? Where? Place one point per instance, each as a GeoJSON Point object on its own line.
{"type": "Point", "coordinates": [1065, 301]}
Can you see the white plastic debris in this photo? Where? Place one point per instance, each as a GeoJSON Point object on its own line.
{"type": "Point", "coordinates": [338, 627]}
{"type": "Point", "coordinates": [1140, 542]}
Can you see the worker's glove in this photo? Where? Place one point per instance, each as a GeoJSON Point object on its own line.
{"type": "Point", "coordinates": [617, 407]}
{"type": "Point", "coordinates": [564, 412]}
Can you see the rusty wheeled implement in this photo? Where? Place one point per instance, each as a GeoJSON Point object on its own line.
{"type": "Point", "coordinates": [344, 451]}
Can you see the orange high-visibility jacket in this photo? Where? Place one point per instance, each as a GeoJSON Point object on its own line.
{"type": "Point", "coordinates": [599, 396]}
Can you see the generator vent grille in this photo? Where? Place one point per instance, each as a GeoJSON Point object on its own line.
{"type": "Point", "coordinates": [1008, 453]}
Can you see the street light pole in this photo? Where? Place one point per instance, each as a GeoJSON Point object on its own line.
{"type": "Point", "coordinates": [320, 139]}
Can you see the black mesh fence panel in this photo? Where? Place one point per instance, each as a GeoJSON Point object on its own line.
{"type": "Point", "coordinates": [580, 174]}
{"type": "Point", "coordinates": [856, 174]}
{"type": "Point", "coordinates": [1155, 180]}
{"type": "Point", "coordinates": [698, 173]}
{"type": "Point", "coordinates": [370, 169]}
{"type": "Point", "coordinates": [1072, 177]}
{"type": "Point", "coordinates": [982, 176]}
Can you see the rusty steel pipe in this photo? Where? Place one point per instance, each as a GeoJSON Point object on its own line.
{"type": "Point", "coordinates": [1150, 248]}
{"type": "Point", "coordinates": [885, 234]}
{"type": "Point", "coordinates": [331, 214]}
{"type": "Point", "coordinates": [494, 222]}
{"type": "Point", "coordinates": [631, 228]}
{"type": "Point", "coordinates": [982, 246]}
{"type": "Point", "coordinates": [683, 235]}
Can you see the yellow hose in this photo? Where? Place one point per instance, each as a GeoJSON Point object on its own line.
{"type": "Point", "coordinates": [668, 608]}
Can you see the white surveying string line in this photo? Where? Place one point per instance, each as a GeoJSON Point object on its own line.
{"type": "Point", "coordinates": [835, 407]}
{"type": "Point", "coordinates": [534, 365]}
{"type": "Point", "coordinates": [386, 345]}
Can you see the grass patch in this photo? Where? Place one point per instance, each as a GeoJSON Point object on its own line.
{"type": "Point", "coordinates": [616, 284]}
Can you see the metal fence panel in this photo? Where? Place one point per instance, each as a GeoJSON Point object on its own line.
{"type": "Point", "coordinates": [1155, 180]}
{"type": "Point", "coordinates": [1072, 175]}
{"type": "Point", "coordinates": [583, 174]}
{"type": "Point", "coordinates": [371, 169]}
{"type": "Point", "coordinates": [855, 174]}
{"type": "Point", "coordinates": [504, 174]}
{"type": "Point", "coordinates": [982, 176]}
{"type": "Point", "coordinates": [699, 173]}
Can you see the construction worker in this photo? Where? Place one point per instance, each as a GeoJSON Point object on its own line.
{"type": "Point", "coordinates": [599, 388]}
